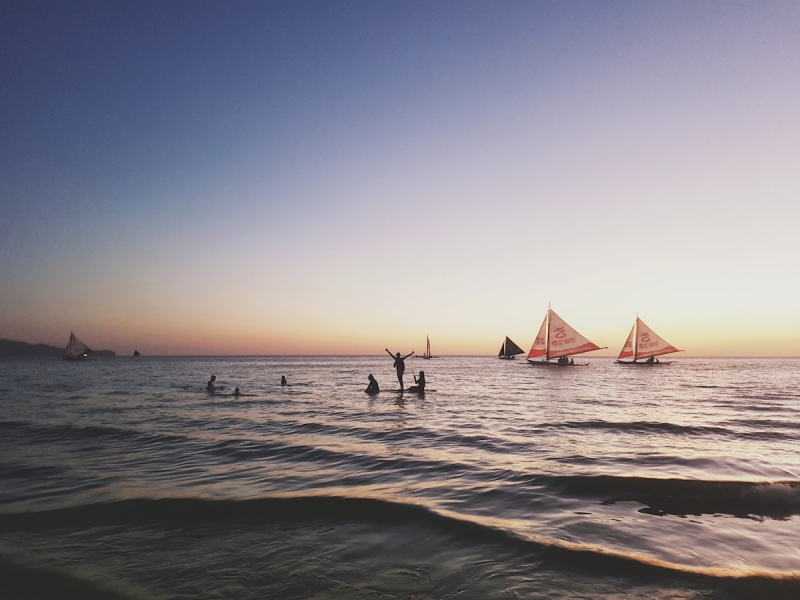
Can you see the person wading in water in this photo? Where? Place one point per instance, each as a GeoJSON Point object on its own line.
{"type": "Point", "coordinates": [420, 387]}
{"type": "Point", "coordinates": [400, 365]}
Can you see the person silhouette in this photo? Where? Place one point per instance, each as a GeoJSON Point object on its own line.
{"type": "Point", "coordinates": [283, 380]}
{"type": "Point", "coordinates": [210, 385]}
{"type": "Point", "coordinates": [372, 388]}
{"type": "Point", "coordinates": [420, 387]}
{"type": "Point", "coordinates": [400, 365]}
{"type": "Point", "coordinates": [236, 393]}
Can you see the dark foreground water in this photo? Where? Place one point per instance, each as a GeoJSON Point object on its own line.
{"type": "Point", "coordinates": [123, 478]}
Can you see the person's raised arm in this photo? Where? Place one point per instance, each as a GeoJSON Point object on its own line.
{"type": "Point", "coordinates": [389, 353]}
{"type": "Point", "coordinates": [407, 355]}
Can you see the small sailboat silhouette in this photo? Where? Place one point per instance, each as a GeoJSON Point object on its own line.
{"type": "Point", "coordinates": [75, 349]}
{"type": "Point", "coordinates": [509, 349]}
{"type": "Point", "coordinates": [428, 354]}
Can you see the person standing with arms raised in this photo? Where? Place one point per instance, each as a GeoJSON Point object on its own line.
{"type": "Point", "coordinates": [400, 365]}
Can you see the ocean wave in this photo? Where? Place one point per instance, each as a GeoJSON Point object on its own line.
{"type": "Point", "coordinates": [51, 433]}
{"type": "Point", "coordinates": [237, 450]}
{"type": "Point", "coordinates": [25, 581]}
{"type": "Point", "coordinates": [188, 512]}
{"type": "Point", "coordinates": [650, 427]}
{"type": "Point", "coordinates": [774, 500]}
{"type": "Point", "coordinates": [641, 426]}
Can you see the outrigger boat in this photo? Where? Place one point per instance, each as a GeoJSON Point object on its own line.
{"type": "Point", "coordinates": [509, 350]}
{"type": "Point", "coordinates": [642, 343]}
{"type": "Point", "coordinates": [75, 349]}
{"type": "Point", "coordinates": [427, 354]}
{"type": "Point", "coordinates": [558, 340]}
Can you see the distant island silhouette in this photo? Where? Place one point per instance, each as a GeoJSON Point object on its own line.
{"type": "Point", "coordinates": [14, 348]}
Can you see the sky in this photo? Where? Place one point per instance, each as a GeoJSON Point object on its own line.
{"type": "Point", "coordinates": [212, 178]}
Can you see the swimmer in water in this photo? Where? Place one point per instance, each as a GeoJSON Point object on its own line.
{"type": "Point", "coordinates": [400, 365]}
{"type": "Point", "coordinates": [372, 388]}
{"type": "Point", "coordinates": [283, 379]}
{"type": "Point", "coordinates": [420, 387]}
{"type": "Point", "coordinates": [236, 393]}
{"type": "Point", "coordinates": [210, 385]}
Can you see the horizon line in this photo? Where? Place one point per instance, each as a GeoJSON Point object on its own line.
{"type": "Point", "coordinates": [715, 356]}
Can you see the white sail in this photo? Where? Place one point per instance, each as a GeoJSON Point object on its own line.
{"type": "Point", "coordinates": [563, 340]}
{"type": "Point", "coordinates": [648, 343]}
{"type": "Point", "coordinates": [539, 347]}
{"type": "Point", "coordinates": [75, 348]}
{"type": "Point", "coordinates": [627, 349]}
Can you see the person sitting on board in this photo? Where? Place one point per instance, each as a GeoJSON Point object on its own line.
{"type": "Point", "coordinates": [372, 388]}
{"type": "Point", "coordinates": [283, 379]}
{"type": "Point", "coordinates": [210, 385]}
{"type": "Point", "coordinates": [652, 360]}
{"type": "Point", "coordinates": [420, 387]}
{"type": "Point", "coordinates": [400, 365]}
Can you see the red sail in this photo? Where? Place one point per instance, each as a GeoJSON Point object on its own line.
{"type": "Point", "coordinates": [627, 349]}
{"type": "Point", "coordinates": [563, 340]}
{"type": "Point", "coordinates": [539, 347]}
{"type": "Point", "coordinates": [649, 344]}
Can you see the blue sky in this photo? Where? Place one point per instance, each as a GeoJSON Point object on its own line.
{"type": "Point", "coordinates": [313, 177]}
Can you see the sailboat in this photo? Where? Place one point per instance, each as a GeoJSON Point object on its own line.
{"type": "Point", "coordinates": [509, 350]}
{"type": "Point", "coordinates": [643, 342]}
{"type": "Point", "coordinates": [427, 354]}
{"type": "Point", "coordinates": [136, 353]}
{"type": "Point", "coordinates": [558, 340]}
{"type": "Point", "coordinates": [75, 349]}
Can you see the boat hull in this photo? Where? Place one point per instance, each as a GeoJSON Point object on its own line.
{"type": "Point", "coordinates": [546, 363]}
{"type": "Point", "coordinates": [643, 363]}
{"type": "Point", "coordinates": [507, 357]}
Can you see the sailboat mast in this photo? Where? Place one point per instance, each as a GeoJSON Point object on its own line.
{"type": "Point", "coordinates": [547, 335]}
{"type": "Point", "coordinates": [636, 338]}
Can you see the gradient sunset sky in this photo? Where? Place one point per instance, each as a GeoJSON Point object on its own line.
{"type": "Point", "coordinates": [338, 177]}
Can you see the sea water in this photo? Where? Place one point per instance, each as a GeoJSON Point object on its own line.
{"type": "Point", "coordinates": [125, 478]}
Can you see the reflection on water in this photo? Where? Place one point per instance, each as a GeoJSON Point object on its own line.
{"type": "Point", "coordinates": [688, 468]}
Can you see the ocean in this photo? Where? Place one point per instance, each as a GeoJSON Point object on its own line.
{"type": "Point", "coordinates": [125, 478]}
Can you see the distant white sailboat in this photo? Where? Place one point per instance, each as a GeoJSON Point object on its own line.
{"type": "Point", "coordinates": [75, 349]}
{"type": "Point", "coordinates": [643, 343]}
{"type": "Point", "coordinates": [558, 340]}
{"type": "Point", "coordinates": [509, 350]}
{"type": "Point", "coordinates": [427, 354]}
